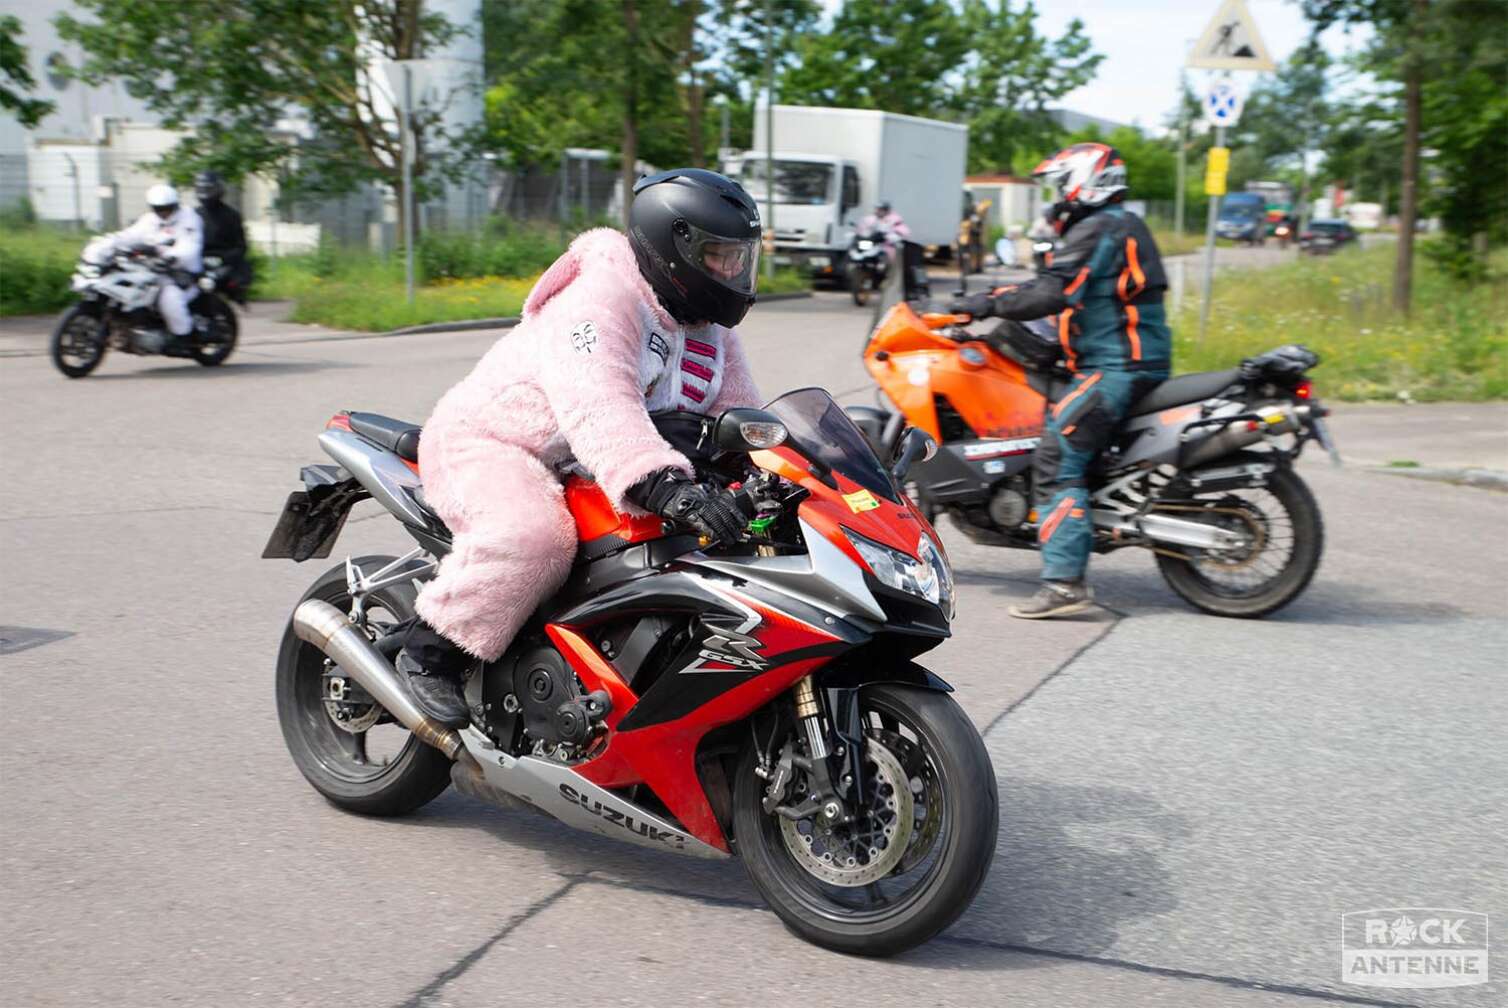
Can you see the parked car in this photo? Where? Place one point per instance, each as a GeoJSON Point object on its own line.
{"type": "Point", "coordinates": [1323, 236]}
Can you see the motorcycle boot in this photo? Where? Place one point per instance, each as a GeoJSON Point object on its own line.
{"type": "Point", "coordinates": [433, 666]}
{"type": "Point", "coordinates": [1055, 598]}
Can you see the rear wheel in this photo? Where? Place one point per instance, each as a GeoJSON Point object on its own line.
{"type": "Point", "coordinates": [78, 342]}
{"type": "Point", "coordinates": [351, 751]}
{"type": "Point", "coordinates": [222, 331]}
{"type": "Point", "coordinates": [1285, 536]}
{"type": "Point", "coordinates": [919, 851]}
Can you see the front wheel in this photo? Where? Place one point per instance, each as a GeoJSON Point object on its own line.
{"type": "Point", "coordinates": [221, 332]}
{"type": "Point", "coordinates": [858, 285]}
{"type": "Point", "coordinates": [78, 342]}
{"type": "Point", "coordinates": [912, 862]}
{"type": "Point", "coordinates": [1283, 534]}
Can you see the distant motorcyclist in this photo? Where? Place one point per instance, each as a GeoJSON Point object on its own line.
{"type": "Point", "coordinates": [176, 235]}
{"type": "Point", "coordinates": [1105, 281]}
{"type": "Point", "coordinates": [224, 233]}
{"type": "Point", "coordinates": [885, 221]}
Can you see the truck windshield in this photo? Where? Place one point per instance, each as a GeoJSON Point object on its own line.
{"type": "Point", "coordinates": [806, 183]}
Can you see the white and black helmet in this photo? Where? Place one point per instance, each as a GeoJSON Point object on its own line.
{"type": "Point", "coordinates": [696, 237]}
{"type": "Point", "coordinates": [162, 198]}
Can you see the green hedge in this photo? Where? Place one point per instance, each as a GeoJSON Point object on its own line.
{"type": "Point", "coordinates": [35, 266]}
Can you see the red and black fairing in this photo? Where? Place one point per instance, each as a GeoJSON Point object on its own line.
{"type": "Point", "coordinates": [684, 649]}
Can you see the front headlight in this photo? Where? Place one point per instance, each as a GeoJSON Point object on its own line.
{"type": "Point", "coordinates": [925, 575]}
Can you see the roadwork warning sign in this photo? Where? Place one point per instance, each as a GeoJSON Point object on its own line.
{"type": "Point", "coordinates": [1231, 42]}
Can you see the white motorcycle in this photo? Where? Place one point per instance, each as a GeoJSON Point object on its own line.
{"type": "Point", "coordinates": [118, 308]}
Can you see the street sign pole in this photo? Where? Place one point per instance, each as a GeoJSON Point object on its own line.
{"type": "Point", "coordinates": [1209, 247]}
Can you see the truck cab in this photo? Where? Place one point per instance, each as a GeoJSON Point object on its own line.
{"type": "Point", "coordinates": [817, 204]}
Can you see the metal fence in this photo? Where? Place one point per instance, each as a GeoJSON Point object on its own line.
{"type": "Point", "coordinates": [95, 187]}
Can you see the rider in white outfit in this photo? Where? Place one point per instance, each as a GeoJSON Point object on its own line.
{"type": "Point", "coordinates": [177, 235]}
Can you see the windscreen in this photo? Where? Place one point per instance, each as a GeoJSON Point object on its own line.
{"type": "Point", "coordinates": [797, 183]}
{"type": "Point", "coordinates": [821, 431]}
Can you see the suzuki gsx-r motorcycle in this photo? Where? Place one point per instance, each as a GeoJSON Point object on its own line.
{"type": "Point", "coordinates": [1196, 474]}
{"type": "Point", "coordinates": [118, 308]}
{"type": "Point", "coordinates": [757, 698]}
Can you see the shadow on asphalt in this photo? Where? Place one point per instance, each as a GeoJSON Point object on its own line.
{"type": "Point", "coordinates": [254, 369]}
{"type": "Point", "coordinates": [1072, 865]}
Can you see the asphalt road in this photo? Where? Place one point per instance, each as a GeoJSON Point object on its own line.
{"type": "Point", "coordinates": [1187, 804]}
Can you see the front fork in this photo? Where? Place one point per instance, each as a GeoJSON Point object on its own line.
{"type": "Point", "coordinates": [830, 794]}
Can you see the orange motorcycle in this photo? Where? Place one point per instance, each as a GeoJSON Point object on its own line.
{"type": "Point", "coordinates": [1200, 472]}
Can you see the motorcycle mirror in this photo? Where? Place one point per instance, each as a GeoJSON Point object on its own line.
{"type": "Point", "coordinates": [744, 429]}
{"type": "Point", "coordinates": [915, 445]}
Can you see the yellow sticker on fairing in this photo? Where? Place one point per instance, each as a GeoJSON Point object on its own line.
{"type": "Point", "coordinates": [860, 500]}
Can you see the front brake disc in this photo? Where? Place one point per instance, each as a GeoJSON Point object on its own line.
{"type": "Point", "coordinates": [868, 849]}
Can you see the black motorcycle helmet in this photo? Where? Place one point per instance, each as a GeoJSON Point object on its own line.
{"type": "Point", "coordinates": [208, 186]}
{"type": "Point", "coordinates": [696, 236]}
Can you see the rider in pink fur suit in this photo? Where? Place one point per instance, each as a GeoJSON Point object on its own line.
{"type": "Point", "coordinates": [619, 326]}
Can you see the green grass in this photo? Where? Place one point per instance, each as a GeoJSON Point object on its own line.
{"type": "Point", "coordinates": [353, 290]}
{"type": "Point", "coordinates": [1454, 345]}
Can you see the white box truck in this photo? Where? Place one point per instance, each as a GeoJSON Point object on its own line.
{"type": "Point", "coordinates": [832, 165]}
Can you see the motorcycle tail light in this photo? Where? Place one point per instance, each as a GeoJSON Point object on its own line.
{"type": "Point", "coordinates": [1304, 389]}
{"type": "Point", "coordinates": [340, 421]}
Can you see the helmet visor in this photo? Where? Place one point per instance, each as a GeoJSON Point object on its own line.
{"type": "Point", "coordinates": [730, 262]}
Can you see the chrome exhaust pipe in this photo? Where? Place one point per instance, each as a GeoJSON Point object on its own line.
{"type": "Point", "coordinates": [1279, 420]}
{"type": "Point", "coordinates": [327, 628]}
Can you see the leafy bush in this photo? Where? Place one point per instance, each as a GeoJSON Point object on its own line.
{"type": "Point", "coordinates": [448, 256]}
{"type": "Point", "coordinates": [35, 265]}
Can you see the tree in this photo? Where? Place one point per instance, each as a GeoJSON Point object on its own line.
{"type": "Point", "coordinates": [234, 77]}
{"type": "Point", "coordinates": [1446, 57]}
{"type": "Point", "coordinates": [898, 55]}
{"type": "Point", "coordinates": [1009, 79]}
{"type": "Point", "coordinates": [16, 80]}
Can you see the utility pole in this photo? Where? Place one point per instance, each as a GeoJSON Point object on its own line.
{"type": "Point", "coordinates": [1183, 146]}
{"type": "Point", "coordinates": [769, 134]}
{"type": "Point", "coordinates": [407, 125]}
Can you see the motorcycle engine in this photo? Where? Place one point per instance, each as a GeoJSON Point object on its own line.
{"type": "Point", "coordinates": [557, 717]}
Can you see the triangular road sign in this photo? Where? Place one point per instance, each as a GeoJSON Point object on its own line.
{"type": "Point", "coordinates": [1231, 42]}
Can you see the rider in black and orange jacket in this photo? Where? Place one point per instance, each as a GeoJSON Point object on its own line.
{"type": "Point", "coordinates": [1105, 282]}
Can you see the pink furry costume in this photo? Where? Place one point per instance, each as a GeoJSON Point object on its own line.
{"type": "Point", "coordinates": [594, 354]}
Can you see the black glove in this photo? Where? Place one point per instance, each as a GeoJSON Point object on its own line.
{"type": "Point", "coordinates": [718, 514]}
{"type": "Point", "coordinates": [977, 305]}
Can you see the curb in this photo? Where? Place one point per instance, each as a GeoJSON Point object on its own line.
{"type": "Point", "coordinates": [1484, 479]}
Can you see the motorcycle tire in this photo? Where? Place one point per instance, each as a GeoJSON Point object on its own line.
{"type": "Point", "coordinates": [858, 286]}
{"type": "Point", "coordinates": [219, 313]}
{"type": "Point", "coordinates": [956, 761]}
{"type": "Point", "coordinates": [78, 322]}
{"type": "Point", "coordinates": [324, 753]}
{"type": "Point", "coordinates": [1290, 581]}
